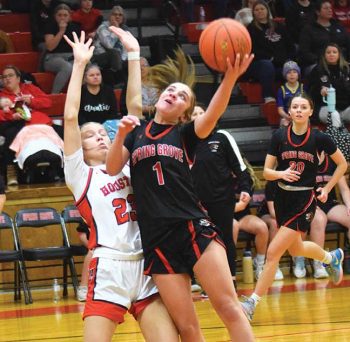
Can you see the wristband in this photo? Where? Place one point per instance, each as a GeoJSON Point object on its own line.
{"type": "Point", "coordinates": [134, 56]}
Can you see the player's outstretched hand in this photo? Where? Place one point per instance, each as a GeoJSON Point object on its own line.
{"type": "Point", "coordinates": [129, 41]}
{"type": "Point", "coordinates": [82, 50]}
{"type": "Point", "coordinates": [239, 67]}
{"type": "Point", "coordinates": [127, 124]}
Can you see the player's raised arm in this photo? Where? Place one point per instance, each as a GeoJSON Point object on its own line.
{"type": "Point", "coordinates": [82, 52]}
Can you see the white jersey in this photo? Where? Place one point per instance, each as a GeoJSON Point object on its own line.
{"type": "Point", "coordinates": [106, 203]}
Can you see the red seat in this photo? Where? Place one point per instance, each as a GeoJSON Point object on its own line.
{"type": "Point", "coordinates": [193, 31]}
{"type": "Point", "coordinates": [252, 91]}
{"type": "Point", "coordinates": [118, 93]}
{"type": "Point", "coordinates": [22, 41]}
{"type": "Point", "coordinates": [44, 80]}
{"type": "Point", "coordinates": [14, 22]}
{"type": "Point", "coordinates": [57, 108]}
{"type": "Point", "coordinates": [25, 61]}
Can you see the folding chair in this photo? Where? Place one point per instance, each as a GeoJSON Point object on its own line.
{"type": "Point", "coordinates": [70, 214]}
{"type": "Point", "coordinates": [14, 255]}
{"type": "Point", "coordinates": [45, 222]}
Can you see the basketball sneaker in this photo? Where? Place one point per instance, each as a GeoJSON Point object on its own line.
{"type": "Point", "coordinates": [335, 268]}
{"type": "Point", "coordinates": [248, 307]}
{"type": "Point", "coordinates": [279, 274]}
{"type": "Point", "coordinates": [319, 271]}
{"type": "Point", "coordinates": [82, 293]}
{"type": "Point", "coordinates": [258, 268]}
{"type": "Point", "coordinates": [299, 269]}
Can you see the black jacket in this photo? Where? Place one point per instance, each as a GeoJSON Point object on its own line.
{"type": "Point", "coordinates": [270, 44]}
{"type": "Point", "coordinates": [315, 37]}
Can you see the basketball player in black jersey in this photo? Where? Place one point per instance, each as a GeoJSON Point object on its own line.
{"type": "Point", "coordinates": [177, 236]}
{"type": "Point", "coordinates": [292, 160]}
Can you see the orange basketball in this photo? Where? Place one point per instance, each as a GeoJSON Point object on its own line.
{"type": "Point", "coordinates": [223, 38]}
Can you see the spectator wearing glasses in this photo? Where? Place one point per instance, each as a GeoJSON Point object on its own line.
{"type": "Point", "coordinates": [109, 52]}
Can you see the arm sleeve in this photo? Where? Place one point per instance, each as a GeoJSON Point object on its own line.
{"type": "Point", "coordinates": [40, 100]}
{"type": "Point", "coordinates": [280, 97]}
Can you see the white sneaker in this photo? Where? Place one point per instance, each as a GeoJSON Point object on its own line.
{"type": "Point", "coordinates": [299, 269]}
{"type": "Point", "coordinates": [319, 271]}
{"type": "Point", "coordinates": [279, 274]}
{"type": "Point", "coordinates": [82, 293]}
{"type": "Point", "coordinates": [258, 268]}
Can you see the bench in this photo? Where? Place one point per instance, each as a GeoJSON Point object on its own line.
{"type": "Point", "coordinates": [25, 61]}
{"type": "Point", "coordinates": [22, 41]}
{"type": "Point", "coordinates": [14, 22]}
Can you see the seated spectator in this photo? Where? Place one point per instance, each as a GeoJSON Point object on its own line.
{"type": "Point", "coordinates": [252, 224]}
{"type": "Point", "coordinates": [17, 99]}
{"type": "Point", "coordinates": [245, 15]}
{"type": "Point", "coordinates": [332, 210]}
{"type": "Point", "coordinates": [6, 45]}
{"type": "Point", "coordinates": [109, 53]}
{"type": "Point", "coordinates": [267, 213]}
{"type": "Point", "coordinates": [149, 93]}
{"type": "Point", "coordinates": [271, 46]}
{"type": "Point", "coordinates": [341, 12]}
{"type": "Point", "coordinates": [301, 13]}
{"type": "Point", "coordinates": [334, 70]}
{"type": "Point", "coordinates": [291, 73]}
{"type": "Point", "coordinates": [88, 18]}
{"type": "Point", "coordinates": [322, 31]}
{"type": "Point", "coordinates": [59, 57]}
{"type": "Point", "coordinates": [98, 102]}
{"type": "Point", "coordinates": [41, 12]}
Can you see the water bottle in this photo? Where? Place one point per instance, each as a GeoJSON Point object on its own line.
{"type": "Point", "coordinates": [248, 275]}
{"type": "Point", "coordinates": [56, 290]}
{"type": "Point", "coordinates": [330, 99]}
{"type": "Point", "coordinates": [201, 14]}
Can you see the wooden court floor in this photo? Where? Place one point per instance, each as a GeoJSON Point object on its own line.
{"type": "Point", "coordinates": [294, 310]}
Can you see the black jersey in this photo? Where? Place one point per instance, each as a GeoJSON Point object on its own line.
{"type": "Point", "coordinates": [217, 159]}
{"type": "Point", "coordinates": [324, 174]}
{"type": "Point", "coordinates": [160, 175]}
{"type": "Point", "coordinates": [300, 152]}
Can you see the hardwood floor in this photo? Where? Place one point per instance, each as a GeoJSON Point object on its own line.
{"type": "Point", "coordinates": [294, 310]}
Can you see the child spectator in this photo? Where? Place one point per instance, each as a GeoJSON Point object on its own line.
{"type": "Point", "coordinates": [291, 73]}
{"type": "Point", "coordinates": [88, 18]}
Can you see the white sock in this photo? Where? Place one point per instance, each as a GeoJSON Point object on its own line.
{"type": "Point", "coordinates": [336, 120]}
{"type": "Point", "coordinates": [260, 258]}
{"type": "Point", "coordinates": [327, 258]}
{"type": "Point", "coordinates": [255, 298]}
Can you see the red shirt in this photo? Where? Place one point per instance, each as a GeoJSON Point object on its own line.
{"type": "Point", "coordinates": [39, 101]}
{"type": "Point", "coordinates": [88, 21]}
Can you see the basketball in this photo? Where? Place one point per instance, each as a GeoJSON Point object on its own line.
{"type": "Point", "coordinates": [223, 38]}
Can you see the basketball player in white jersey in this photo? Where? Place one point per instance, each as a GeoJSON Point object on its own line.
{"type": "Point", "coordinates": [116, 280]}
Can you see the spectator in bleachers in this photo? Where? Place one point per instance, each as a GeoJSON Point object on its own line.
{"type": "Point", "coordinates": [98, 102]}
{"type": "Point", "coordinates": [267, 213]}
{"type": "Point", "coordinates": [59, 57]}
{"type": "Point", "coordinates": [341, 11]}
{"type": "Point", "coordinates": [109, 52]}
{"type": "Point", "coordinates": [292, 87]}
{"type": "Point", "coordinates": [149, 93]}
{"type": "Point", "coordinates": [302, 12]}
{"type": "Point", "coordinates": [40, 12]}
{"type": "Point", "coordinates": [245, 15]}
{"type": "Point", "coordinates": [334, 70]}
{"type": "Point", "coordinates": [73, 4]}
{"type": "Point", "coordinates": [6, 45]}
{"type": "Point", "coordinates": [322, 31]}
{"type": "Point", "coordinates": [17, 97]}
{"type": "Point", "coordinates": [271, 46]}
{"type": "Point", "coordinates": [88, 17]}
